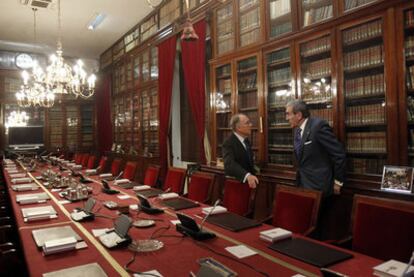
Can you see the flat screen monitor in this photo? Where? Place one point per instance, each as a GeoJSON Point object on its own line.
{"type": "Point", "coordinates": [26, 136]}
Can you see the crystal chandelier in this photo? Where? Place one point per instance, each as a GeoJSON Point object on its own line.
{"type": "Point", "coordinates": [189, 33]}
{"type": "Point", "coordinates": [60, 78]}
{"type": "Point", "coordinates": [33, 92]}
{"type": "Point", "coordinates": [17, 119]}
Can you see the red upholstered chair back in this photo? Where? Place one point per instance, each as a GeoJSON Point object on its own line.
{"type": "Point", "coordinates": [296, 209]}
{"type": "Point", "coordinates": [91, 162]}
{"type": "Point", "coordinates": [116, 166]}
{"type": "Point", "coordinates": [102, 163]}
{"type": "Point", "coordinates": [200, 186]}
{"type": "Point", "coordinates": [236, 197]}
{"type": "Point", "coordinates": [85, 160]}
{"type": "Point", "coordinates": [130, 170]}
{"type": "Point", "coordinates": [151, 175]}
{"type": "Point", "coordinates": [78, 158]}
{"type": "Point", "coordinates": [383, 228]}
{"type": "Point", "coordinates": [175, 180]}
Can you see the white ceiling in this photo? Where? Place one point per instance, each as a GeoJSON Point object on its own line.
{"type": "Point", "coordinates": [16, 21]}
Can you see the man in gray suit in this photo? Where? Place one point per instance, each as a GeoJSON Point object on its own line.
{"type": "Point", "coordinates": [320, 156]}
{"type": "Point", "coordinates": [237, 151]}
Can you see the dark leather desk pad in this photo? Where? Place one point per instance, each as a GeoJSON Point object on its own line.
{"type": "Point", "coordinates": [180, 203]}
{"type": "Point", "coordinates": [232, 222]}
{"type": "Point", "coordinates": [150, 192]}
{"type": "Point", "coordinates": [310, 252]}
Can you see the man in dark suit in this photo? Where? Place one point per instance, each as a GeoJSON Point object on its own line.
{"type": "Point", "coordinates": [320, 156]}
{"type": "Point", "coordinates": [237, 151]}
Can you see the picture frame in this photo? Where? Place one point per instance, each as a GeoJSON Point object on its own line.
{"type": "Point", "coordinates": [397, 179]}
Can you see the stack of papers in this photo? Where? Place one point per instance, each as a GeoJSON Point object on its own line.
{"type": "Point", "coordinates": [87, 270]}
{"type": "Point", "coordinates": [21, 180]}
{"type": "Point", "coordinates": [17, 175]}
{"type": "Point", "coordinates": [122, 181]}
{"type": "Point", "coordinates": [90, 172]}
{"type": "Point", "coordinates": [143, 187]}
{"type": "Point", "coordinates": [59, 245]}
{"type": "Point", "coordinates": [25, 187]}
{"type": "Point", "coordinates": [393, 268]}
{"type": "Point", "coordinates": [32, 198]}
{"type": "Point", "coordinates": [275, 234]}
{"type": "Point", "coordinates": [38, 213]}
{"type": "Point", "coordinates": [169, 195]}
{"type": "Point", "coordinates": [216, 210]}
{"type": "Point", "coordinates": [105, 175]}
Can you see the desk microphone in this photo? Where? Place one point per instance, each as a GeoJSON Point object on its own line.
{"type": "Point", "coordinates": [119, 175]}
{"type": "Point", "coordinates": [97, 169]}
{"type": "Point", "coordinates": [404, 274]}
{"type": "Point", "coordinates": [211, 211]}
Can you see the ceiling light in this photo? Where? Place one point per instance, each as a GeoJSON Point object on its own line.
{"type": "Point", "coordinates": [96, 20]}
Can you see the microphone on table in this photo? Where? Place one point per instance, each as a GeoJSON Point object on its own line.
{"type": "Point", "coordinates": [119, 175]}
{"type": "Point", "coordinates": [209, 213]}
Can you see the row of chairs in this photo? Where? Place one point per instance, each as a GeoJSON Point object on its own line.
{"type": "Point", "coordinates": [380, 227]}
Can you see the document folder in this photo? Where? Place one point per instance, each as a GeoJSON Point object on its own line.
{"type": "Point", "coordinates": [232, 222]}
{"type": "Point", "coordinates": [151, 192]}
{"type": "Point", "coordinates": [310, 252]}
{"type": "Point", "coordinates": [180, 204]}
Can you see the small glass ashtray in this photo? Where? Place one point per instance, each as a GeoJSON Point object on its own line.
{"type": "Point", "coordinates": [147, 245]}
{"type": "Point", "coordinates": [143, 223]}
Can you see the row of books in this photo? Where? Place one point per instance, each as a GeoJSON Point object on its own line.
{"type": "Point", "coordinates": [366, 142]}
{"type": "Point", "coordinates": [277, 119]}
{"type": "Point", "coordinates": [250, 20]}
{"type": "Point", "coordinates": [315, 15]}
{"type": "Point", "coordinates": [278, 55]}
{"type": "Point", "coordinates": [279, 76]}
{"type": "Point", "coordinates": [277, 99]}
{"type": "Point", "coordinates": [409, 18]}
{"type": "Point", "coordinates": [225, 44]}
{"type": "Point", "coordinates": [362, 166]}
{"type": "Point", "coordinates": [350, 4]}
{"type": "Point", "coordinates": [278, 8]}
{"type": "Point", "coordinates": [283, 159]}
{"type": "Point", "coordinates": [410, 108]}
{"type": "Point", "coordinates": [365, 115]}
{"type": "Point", "coordinates": [247, 82]}
{"type": "Point", "coordinates": [316, 46]}
{"type": "Point", "coordinates": [224, 86]}
{"type": "Point", "coordinates": [316, 93]}
{"type": "Point", "coordinates": [224, 71]}
{"type": "Point", "coordinates": [169, 12]}
{"type": "Point", "coordinates": [247, 100]}
{"type": "Point", "coordinates": [245, 4]}
{"type": "Point", "coordinates": [363, 32]}
{"type": "Point", "coordinates": [284, 140]}
{"type": "Point", "coordinates": [317, 68]}
{"type": "Point", "coordinates": [409, 46]}
{"type": "Point", "coordinates": [325, 114]}
{"type": "Point", "coordinates": [246, 64]}
{"type": "Point", "coordinates": [410, 77]}
{"type": "Point", "coordinates": [224, 13]}
{"type": "Point", "coordinates": [280, 28]}
{"type": "Point", "coordinates": [364, 57]}
{"type": "Point", "coordinates": [249, 37]}
{"type": "Point", "coordinates": [365, 86]}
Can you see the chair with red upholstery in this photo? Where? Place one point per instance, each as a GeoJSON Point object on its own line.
{"type": "Point", "coordinates": [383, 228]}
{"type": "Point", "coordinates": [91, 162]}
{"type": "Point", "coordinates": [296, 209]}
{"type": "Point", "coordinates": [103, 164]}
{"type": "Point", "coordinates": [78, 158]}
{"type": "Point", "coordinates": [130, 170]}
{"type": "Point", "coordinates": [237, 197]}
{"type": "Point", "coordinates": [116, 166]}
{"type": "Point", "coordinates": [175, 180]}
{"type": "Point", "coordinates": [151, 175]}
{"type": "Point", "coordinates": [200, 186]}
{"type": "Point", "coordinates": [85, 160]}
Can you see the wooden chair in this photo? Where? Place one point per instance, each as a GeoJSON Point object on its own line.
{"type": "Point", "coordinates": [200, 186]}
{"type": "Point", "coordinates": [383, 228]}
{"type": "Point", "coordinates": [103, 164]}
{"type": "Point", "coordinates": [238, 197]}
{"type": "Point", "coordinates": [91, 162]}
{"type": "Point", "coordinates": [175, 180]}
{"type": "Point", "coordinates": [151, 175]}
{"type": "Point", "coordinates": [85, 159]}
{"type": "Point", "coordinates": [296, 209]}
{"type": "Point", "coordinates": [116, 166]}
{"type": "Point", "coordinates": [130, 170]}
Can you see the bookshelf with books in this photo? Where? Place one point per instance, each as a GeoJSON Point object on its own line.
{"type": "Point", "coordinates": [128, 133]}
{"type": "Point", "coordinates": [315, 80]}
{"type": "Point", "coordinates": [149, 101]}
{"type": "Point", "coordinates": [154, 63]}
{"type": "Point", "coordinates": [223, 105]}
{"type": "Point", "coordinates": [72, 126]}
{"type": "Point", "coordinates": [280, 17]}
{"type": "Point", "coordinates": [149, 27]}
{"type": "Point", "coordinates": [249, 22]}
{"type": "Point", "coordinates": [364, 96]}
{"type": "Point", "coordinates": [280, 90]}
{"type": "Point", "coordinates": [145, 63]}
{"type": "Point", "coordinates": [353, 4]}
{"type": "Point", "coordinates": [314, 11]}
{"type": "Point", "coordinates": [247, 72]}
{"type": "Point", "coordinates": [56, 121]}
{"type": "Point", "coordinates": [87, 125]}
{"type": "Point", "coordinates": [225, 29]}
{"type": "Point", "coordinates": [118, 120]}
{"type": "Point", "coordinates": [169, 12]}
{"type": "Point", "coordinates": [136, 120]}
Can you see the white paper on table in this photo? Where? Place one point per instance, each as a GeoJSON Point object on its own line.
{"type": "Point", "coordinates": [99, 232]}
{"type": "Point", "coordinates": [124, 196]}
{"type": "Point", "coordinates": [175, 222]}
{"type": "Point", "coordinates": [240, 251]}
{"type": "Point", "coordinates": [146, 273]}
{"type": "Point", "coordinates": [63, 202]}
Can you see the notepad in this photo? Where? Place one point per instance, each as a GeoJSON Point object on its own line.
{"type": "Point", "coordinates": [216, 210]}
{"type": "Point", "coordinates": [393, 268]}
{"type": "Point", "coordinates": [122, 181]}
{"type": "Point", "coordinates": [139, 188]}
{"type": "Point", "coordinates": [275, 234]}
{"type": "Point", "coordinates": [169, 195]}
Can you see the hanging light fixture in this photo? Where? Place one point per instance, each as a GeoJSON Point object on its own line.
{"type": "Point", "coordinates": [189, 33]}
{"type": "Point", "coordinates": [60, 78]}
{"type": "Point", "coordinates": [17, 119]}
{"type": "Point", "coordinates": [33, 92]}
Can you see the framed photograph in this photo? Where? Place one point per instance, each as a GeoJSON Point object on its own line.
{"type": "Point", "coordinates": [397, 179]}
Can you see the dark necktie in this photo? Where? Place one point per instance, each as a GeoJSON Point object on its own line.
{"type": "Point", "coordinates": [248, 150]}
{"type": "Point", "coordinates": [297, 142]}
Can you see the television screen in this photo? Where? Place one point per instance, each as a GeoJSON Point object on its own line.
{"type": "Point", "coordinates": [29, 135]}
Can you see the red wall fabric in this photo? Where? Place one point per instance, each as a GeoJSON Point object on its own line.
{"type": "Point", "coordinates": [166, 57]}
{"type": "Point", "coordinates": [103, 113]}
{"type": "Point", "coordinates": [193, 60]}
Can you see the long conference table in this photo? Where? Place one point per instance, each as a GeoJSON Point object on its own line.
{"type": "Point", "coordinates": [178, 256]}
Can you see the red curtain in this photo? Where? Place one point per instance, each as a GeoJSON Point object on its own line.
{"type": "Point", "coordinates": [193, 60]}
{"type": "Point", "coordinates": [166, 58]}
{"type": "Point", "coordinates": [103, 113]}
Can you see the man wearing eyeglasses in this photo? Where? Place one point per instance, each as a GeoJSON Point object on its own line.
{"type": "Point", "coordinates": [237, 151]}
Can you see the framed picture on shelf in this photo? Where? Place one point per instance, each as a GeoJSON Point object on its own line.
{"type": "Point", "coordinates": [397, 179]}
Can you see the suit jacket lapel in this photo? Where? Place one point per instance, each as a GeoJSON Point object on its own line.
{"type": "Point", "coordinates": [305, 136]}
